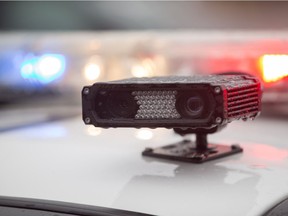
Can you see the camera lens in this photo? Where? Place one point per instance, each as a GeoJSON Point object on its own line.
{"type": "Point", "coordinates": [191, 105]}
{"type": "Point", "coordinates": [122, 105]}
{"type": "Point", "coordinates": [115, 104]}
{"type": "Point", "coordinates": [194, 106]}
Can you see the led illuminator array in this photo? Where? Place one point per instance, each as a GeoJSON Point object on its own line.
{"type": "Point", "coordinates": [156, 104]}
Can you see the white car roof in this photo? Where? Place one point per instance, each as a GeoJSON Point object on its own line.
{"type": "Point", "coordinates": [67, 161]}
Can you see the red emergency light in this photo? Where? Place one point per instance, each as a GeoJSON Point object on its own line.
{"type": "Point", "coordinates": [274, 67]}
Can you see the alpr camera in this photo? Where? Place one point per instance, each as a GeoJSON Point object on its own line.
{"type": "Point", "coordinates": [172, 102]}
{"type": "Point", "coordinates": [190, 105]}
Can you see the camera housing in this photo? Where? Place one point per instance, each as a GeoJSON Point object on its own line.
{"type": "Point", "coordinates": [172, 102]}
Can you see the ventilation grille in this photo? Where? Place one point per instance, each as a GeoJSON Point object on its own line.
{"type": "Point", "coordinates": [243, 102]}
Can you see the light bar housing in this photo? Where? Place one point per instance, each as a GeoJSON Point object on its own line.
{"type": "Point", "coordinates": [172, 102]}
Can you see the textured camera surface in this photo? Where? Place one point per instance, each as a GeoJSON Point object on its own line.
{"type": "Point", "coordinates": [172, 102]}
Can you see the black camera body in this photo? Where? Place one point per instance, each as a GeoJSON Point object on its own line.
{"type": "Point", "coordinates": [172, 102]}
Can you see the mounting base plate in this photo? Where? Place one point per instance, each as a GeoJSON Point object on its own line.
{"type": "Point", "coordinates": [186, 151]}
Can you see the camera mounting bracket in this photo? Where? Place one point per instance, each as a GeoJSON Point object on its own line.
{"type": "Point", "coordinates": [194, 152]}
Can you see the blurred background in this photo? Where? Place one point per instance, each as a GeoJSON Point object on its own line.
{"type": "Point", "coordinates": [50, 50]}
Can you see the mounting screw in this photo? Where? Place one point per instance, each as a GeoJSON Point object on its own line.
{"type": "Point", "coordinates": [217, 90]}
{"type": "Point", "coordinates": [86, 91]}
{"type": "Point", "coordinates": [218, 120]}
{"type": "Point", "coordinates": [235, 146]}
{"type": "Point", "coordinates": [148, 150]}
{"type": "Point", "coordinates": [87, 120]}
